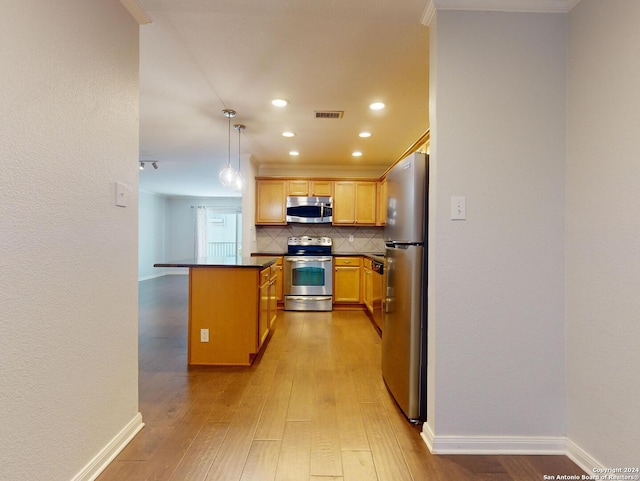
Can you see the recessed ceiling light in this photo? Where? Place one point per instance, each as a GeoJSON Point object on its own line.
{"type": "Point", "coordinates": [294, 153]}
{"type": "Point", "coordinates": [357, 153]}
{"type": "Point", "coordinates": [288, 134]}
{"type": "Point", "coordinates": [364, 135]}
{"type": "Point", "coordinates": [376, 106]}
{"type": "Point", "coordinates": [279, 102]}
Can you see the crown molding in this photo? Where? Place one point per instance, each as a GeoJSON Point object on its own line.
{"type": "Point", "coordinates": [521, 6]}
{"type": "Point", "coordinates": [136, 12]}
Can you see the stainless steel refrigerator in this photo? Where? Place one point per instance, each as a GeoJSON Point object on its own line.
{"type": "Point", "coordinates": [404, 333]}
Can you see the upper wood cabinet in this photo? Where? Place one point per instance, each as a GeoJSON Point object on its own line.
{"type": "Point", "coordinates": [354, 202]}
{"type": "Point", "coordinates": [271, 196]}
{"type": "Point", "coordinates": [321, 188]}
{"type": "Point", "coordinates": [382, 203]}
{"type": "Point", "coordinates": [311, 188]}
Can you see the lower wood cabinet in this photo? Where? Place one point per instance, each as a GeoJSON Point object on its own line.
{"type": "Point", "coordinates": [367, 280]}
{"type": "Point", "coordinates": [346, 280]}
{"type": "Point", "coordinates": [279, 274]}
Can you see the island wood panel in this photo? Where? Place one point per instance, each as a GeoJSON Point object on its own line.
{"type": "Point", "coordinates": [225, 301]}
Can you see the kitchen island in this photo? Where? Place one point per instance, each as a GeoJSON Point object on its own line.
{"type": "Point", "coordinates": [232, 306]}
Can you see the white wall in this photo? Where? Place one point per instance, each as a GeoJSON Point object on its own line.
{"type": "Point", "coordinates": [167, 230]}
{"type": "Point", "coordinates": [152, 213]}
{"type": "Point", "coordinates": [68, 282]}
{"type": "Point", "coordinates": [249, 234]}
{"type": "Point", "coordinates": [496, 315]}
{"type": "Point", "coordinates": [180, 222]}
{"type": "Point", "coordinates": [603, 232]}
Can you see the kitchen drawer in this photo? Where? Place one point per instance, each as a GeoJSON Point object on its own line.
{"type": "Point", "coordinates": [347, 261]}
{"type": "Point", "coordinates": [367, 263]}
{"type": "Point", "coordinates": [265, 275]}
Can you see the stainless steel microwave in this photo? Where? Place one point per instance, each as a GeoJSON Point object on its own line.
{"type": "Point", "coordinates": [309, 210]}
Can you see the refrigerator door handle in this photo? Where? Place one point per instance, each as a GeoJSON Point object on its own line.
{"type": "Point", "coordinates": [398, 244]}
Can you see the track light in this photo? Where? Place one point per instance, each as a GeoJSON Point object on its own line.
{"type": "Point", "coordinates": [154, 163]}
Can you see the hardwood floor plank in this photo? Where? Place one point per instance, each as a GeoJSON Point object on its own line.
{"type": "Point", "coordinates": [295, 452]}
{"type": "Point", "coordinates": [358, 466]}
{"type": "Point", "coordinates": [326, 456]}
{"type": "Point", "coordinates": [232, 456]}
{"type": "Point", "coordinates": [387, 455]}
{"type": "Point", "coordinates": [528, 468]}
{"type": "Point", "coordinates": [274, 414]}
{"type": "Point", "coordinates": [301, 401]}
{"type": "Point", "coordinates": [353, 435]}
{"type": "Point", "coordinates": [262, 461]}
{"type": "Point", "coordinates": [197, 461]}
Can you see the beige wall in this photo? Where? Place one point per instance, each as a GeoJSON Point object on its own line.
{"type": "Point", "coordinates": [534, 298]}
{"type": "Point", "coordinates": [68, 282]}
{"type": "Point", "coordinates": [603, 233]}
{"type": "Point", "coordinates": [496, 279]}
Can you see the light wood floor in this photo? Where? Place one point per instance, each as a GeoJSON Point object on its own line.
{"type": "Point", "coordinates": [313, 407]}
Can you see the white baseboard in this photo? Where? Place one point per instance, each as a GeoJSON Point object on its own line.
{"type": "Point", "coordinates": [526, 445]}
{"type": "Point", "coordinates": [177, 271]}
{"type": "Point", "coordinates": [154, 276]}
{"type": "Point", "coordinates": [522, 445]}
{"type": "Point", "coordinates": [98, 464]}
{"type": "Point", "coordinates": [172, 271]}
{"type": "Point", "coordinates": [583, 459]}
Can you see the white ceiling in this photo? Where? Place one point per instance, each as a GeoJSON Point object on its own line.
{"type": "Point", "coordinates": [198, 57]}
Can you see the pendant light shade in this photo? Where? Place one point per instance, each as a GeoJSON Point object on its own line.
{"type": "Point", "coordinates": [228, 175]}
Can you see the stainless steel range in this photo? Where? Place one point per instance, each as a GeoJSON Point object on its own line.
{"type": "Point", "coordinates": [308, 274]}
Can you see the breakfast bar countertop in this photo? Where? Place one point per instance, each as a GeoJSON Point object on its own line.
{"type": "Point", "coordinates": [245, 262]}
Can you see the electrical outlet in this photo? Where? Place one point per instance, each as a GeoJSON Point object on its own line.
{"type": "Point", "coordinates": [204, 335]}
{"type": "Point", "coordinates": [351, 238]}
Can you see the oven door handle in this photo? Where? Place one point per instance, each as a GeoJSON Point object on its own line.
{"type": "Point", "coordinates": [308, 259]}
{"type": "Point", "coordinates": [309, 298]}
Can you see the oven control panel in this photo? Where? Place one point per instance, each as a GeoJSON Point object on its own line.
{"type": "Point", "coordinates": [306, 240]}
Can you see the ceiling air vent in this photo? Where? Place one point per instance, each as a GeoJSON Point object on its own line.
{"type": "Point", "coordinates": [329, 114]}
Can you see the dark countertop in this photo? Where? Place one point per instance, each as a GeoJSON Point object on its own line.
{"type": "Point", "coordinates": [246, 262]}
{"type": "Point", "coordinates": [378, 256]}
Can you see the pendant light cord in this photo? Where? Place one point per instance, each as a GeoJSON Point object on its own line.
{"type": "Point", "coordinates": [239, 130]}
{"type": "Point", "coordinates": [229, 146]}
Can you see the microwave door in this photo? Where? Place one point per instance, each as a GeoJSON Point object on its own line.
{"type": "Point", "coordinates": [309, 210]}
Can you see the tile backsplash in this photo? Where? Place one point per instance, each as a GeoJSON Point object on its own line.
{"type": "Point", "coordinates": [273, 239]}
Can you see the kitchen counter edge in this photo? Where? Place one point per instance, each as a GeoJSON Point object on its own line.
{"type": "Point", "coordinates": [222, 262]}
{"type": "Point", "coordinates": [375, 256]}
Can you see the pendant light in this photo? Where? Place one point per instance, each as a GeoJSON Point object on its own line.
{"type": "Point", "coordinates": [240, 182]}
{"type": "Point", "coordinates": [228, 175]}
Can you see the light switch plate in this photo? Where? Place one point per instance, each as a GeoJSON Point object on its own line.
{"type": "Point", "coordinates": [458, 208]}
